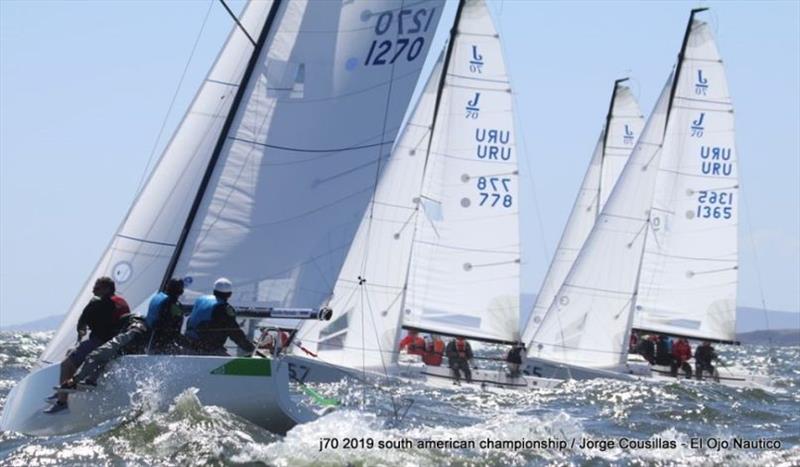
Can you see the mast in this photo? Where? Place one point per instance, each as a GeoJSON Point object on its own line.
{"type": "Point", "coordinates": [680, 62]}
{"type": "Point", "coordinates": [448, 54]}
{"type": "Point", "coordinates": [609, 116]}
{"type": "Point", "coordinates": [262, 39]}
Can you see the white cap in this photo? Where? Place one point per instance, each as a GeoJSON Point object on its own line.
{"type": "Point", "coordinates": [223, 285]}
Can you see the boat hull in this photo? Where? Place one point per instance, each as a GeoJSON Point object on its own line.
{"type": "Point", "coordinates": [254, 388]}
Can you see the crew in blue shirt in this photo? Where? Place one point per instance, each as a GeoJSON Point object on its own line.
{"type": "Point", "coordinates": [213, 321]}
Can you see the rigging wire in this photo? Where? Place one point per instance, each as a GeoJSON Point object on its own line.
{"type": "Point", "coordinates": [238, 23]}
{"type": "Point", "coordinates": [140, 185]}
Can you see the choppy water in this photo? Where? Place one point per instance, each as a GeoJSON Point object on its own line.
{"type": "Point", "coordinates": [188, 433]}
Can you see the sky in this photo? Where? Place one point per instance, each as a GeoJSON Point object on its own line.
{"type": "Point", "coordinates": [85, 88]}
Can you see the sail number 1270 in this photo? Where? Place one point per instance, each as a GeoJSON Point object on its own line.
{"type": "Point", "coordinates": [403, 22]}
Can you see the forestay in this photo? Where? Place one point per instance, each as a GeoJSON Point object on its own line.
{"type": "Point", "coordinates": [141, 249]}
{"type": "Point", "coordinates": [588, 322]}
{"type": "Point", "coordinates": [689, 269]}
{"type": "Point", "coordinates": [623, 126]}
{"type": "Point", "coordinates": [301, 160]}
{"type": "Point", "coordinates": [463, 274]}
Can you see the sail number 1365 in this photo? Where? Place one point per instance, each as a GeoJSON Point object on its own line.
{"type": "Point", "coordinates": [402, 22]}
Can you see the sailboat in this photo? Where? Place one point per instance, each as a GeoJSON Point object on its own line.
{"type": "Point", "coordinates": [623, 125]}
{"type": "Point", "coordinates": [438, 249]}
{"type": "Point", "coordinates": [662, 255]}
{"type": "Point", "coordinates": [264, 182]}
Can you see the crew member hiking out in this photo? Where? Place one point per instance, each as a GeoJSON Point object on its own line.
{"type": "Point", "coordinates": [434, 351]}
{"type": "Point", "coordinates": [459, 353]}
{"type": "Point", "coordinates": [131, 340]}
{"type": "Point", "coordinates": [681, 353]}
{"type": "Point", "coordinates": [165, 318]}
{"type": "Point", "coordinates": [703, 357]}
{"type": "Point", "coordinates": [213, 321]}
{"type": "Point", "coordinates": [101, 316]}
{"type": "Point", "coordinates": [414, 343]}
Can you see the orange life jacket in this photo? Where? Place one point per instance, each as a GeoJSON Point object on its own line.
{"type": "Point", "coordinates": [417, 346]}
{"type": "Point", "coordinates": [434, 353]}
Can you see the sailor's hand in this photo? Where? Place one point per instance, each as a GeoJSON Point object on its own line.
{"type": "Point", "coordinates": [81, 334]}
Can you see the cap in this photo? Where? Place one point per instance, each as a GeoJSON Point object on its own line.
{"type": "Point", "coordinates": [223, 285]}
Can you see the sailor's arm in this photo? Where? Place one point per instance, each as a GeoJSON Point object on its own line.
{"type": "Point", "coordinates": [235, 333]}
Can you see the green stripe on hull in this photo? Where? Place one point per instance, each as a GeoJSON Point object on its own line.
{"type": "Point", "coordinates": [245, 367]}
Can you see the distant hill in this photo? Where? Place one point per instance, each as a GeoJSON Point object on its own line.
{"type": "Point", "coordinates": [747, 319]}
{"type": "Point", "coordinates": [48, 323]}
{"type": "Point", "coordinates": [787, 337]}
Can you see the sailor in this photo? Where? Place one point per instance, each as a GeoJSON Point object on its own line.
{"type": "Point", "coordinates": [647, 349]}
{"type": "Point", "coordinates": [434, 351]}
{"type": "Point", "coordinates": [663, 354]}
{"type": "Point", "coordinates": [213, 321]}
{"type": "Point", "coordinates": [131, 340]}
{"type": "Point", "coordinates": [165, 318]}
{"type": "Point", "coordinates": [703, 357]}
{"type": "Point", "coordinates": [273, 340]}
{"type": "Point", "coordinates": [459, 353]}
{"type": "Point", "coordinates": [414, 342]}
{"type": "Point", "coordinates": [514, 358]}
{"type": "Point", "coordinates": [681, 353]}
{"type": "Point", "coordinates": [102, 317]}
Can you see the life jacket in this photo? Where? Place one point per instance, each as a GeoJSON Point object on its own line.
{"type": "Point", "coordinates": [417, 346]}
{"type": "Point", "coordinates": [154, 308]}
{"type": "Point", "coordinates": [682, 351]}
{"type": "Point", "coordinates": [121, 307]}
{"type": "Point", "coordinates": [202, 312]}
{"type": "Point", "coordinates": [434, 353]}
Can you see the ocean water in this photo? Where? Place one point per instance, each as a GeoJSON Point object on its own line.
{"type": "Point", "coordinates": [184, 432]}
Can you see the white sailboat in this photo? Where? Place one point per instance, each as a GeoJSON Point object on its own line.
{"type": "Point", "coordinates": [662, 256]}
{"type": "Point", "coordinates": [624, 122]}
{"type": "Point", "coordinates": [264, 182]}
{"type": "Point", "coordinates": [438, 249]}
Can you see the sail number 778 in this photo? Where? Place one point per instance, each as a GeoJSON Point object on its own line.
{"type": "Point", "coordinates": [494, 191]}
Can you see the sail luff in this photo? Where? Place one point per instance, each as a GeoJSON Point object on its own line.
{"type": "Point", "coordinates": [681, 56]}
{"type": "Point", "coordinates": [606, 132]}
{"type": "Point", "coordinates": [212, 163]}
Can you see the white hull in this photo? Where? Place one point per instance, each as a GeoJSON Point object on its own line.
{"type": "Point", "coordinates": [736, 377]}
{"type": "Point", "coordinates": [638, 369]}
{"type": "Point", "coordinates": [443, 376]}
{"type": "Point", "coordinates": [254, 388]}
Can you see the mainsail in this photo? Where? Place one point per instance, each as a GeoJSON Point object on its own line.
{"type": "Point", "coordinates": [620, 133]}
{"type": "Point", "coordinates": [690, 263]}
{"type": "Point", "coordinates": [439, 248]}
{"type": "Point", "coordinates": [634, 250]}
{"type": "Point", "coordinates": [271, 187]}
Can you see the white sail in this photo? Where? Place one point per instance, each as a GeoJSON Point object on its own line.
{"type": "Point", "coordinates": [689, 270]}
{"type": "Point", "coordinates": [588, 322]}
{"type": "Point", "coordinates": [140, 251]}
{"type": "Point", "coordinates": [369, 291]}
{"type": "Point", "coordinates": [303, 155]}
{"type": "Point", "coordinates": [464, 272]}
{"type": "Point", "coordinates": [624, 125]}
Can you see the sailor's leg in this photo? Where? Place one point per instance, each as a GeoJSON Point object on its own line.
{"type": "Point", "coordinates": [687, 370]}
{"type": "Point", "coordinates": [467, 371]}
{"type": "Point", "coordinates": [99, 358]}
